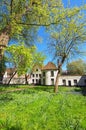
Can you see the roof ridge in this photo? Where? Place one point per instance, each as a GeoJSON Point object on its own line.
{"type": "Point", "coordinates": [50, 66]}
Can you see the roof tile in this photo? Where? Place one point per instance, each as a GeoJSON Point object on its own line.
{"type": "Point", "coordinates": [50, 66]}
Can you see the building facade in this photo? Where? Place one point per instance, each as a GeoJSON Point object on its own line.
{"type": "Point", "coordinates": [36, 75]}
{"type": "Point", "coordinates": [49, 73]}
{"type": "Point", "coordinates": [71, 80]}
{"type": "Point", "coordinates": [47, 76]}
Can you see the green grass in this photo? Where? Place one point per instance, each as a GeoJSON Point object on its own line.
{"type": "Point", "coordinates": [12, 87]}
{"type": "Point", "coordinates": [39, 108]}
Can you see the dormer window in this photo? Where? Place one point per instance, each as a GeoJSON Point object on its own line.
{"type": "Point", "coordinates": [36, 69]}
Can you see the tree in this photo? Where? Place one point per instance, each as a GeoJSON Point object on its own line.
{"type": "Point", "coordinates": [20, 19]}
{"type": "Point", "coordinates": [2, 68]}
{"type": "Point", "coordinates": [67, 37]}
{"type": "Point", "coordinates": [76, 67]}
{"type": "Point", "coordinates": [23, 59]}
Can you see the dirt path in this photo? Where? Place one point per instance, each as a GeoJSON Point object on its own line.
{"type": "Point", "coordinates": [14, 90]}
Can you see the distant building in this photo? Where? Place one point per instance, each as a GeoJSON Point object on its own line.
{"type": "Point", "coordinates": [49, 73]}
{"type": "Point", "coordinates": [46, 76]}
{"type": "Point", "coordinates": [9, 72]}
{"type": "Point", "coordinates": [72, 80]}
{"type": "Point", "coordinates": [36, 75]}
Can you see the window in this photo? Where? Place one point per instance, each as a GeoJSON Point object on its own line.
{"type": "Point", "coordinates": [33, 80]}
{"type": "Point", "coordinates": [52, 73]}
{"type": "Point", "coordinates": [40, 75]}
{"type": "Point", "coordinates": [43, 81]}
{"type": "Point", "coordinates": [52, 81]}
{"type": "Point", "coordinates": [36, 75]}
{"type": "Point", "coordinates": [69, 82]}
{"type": "Point", "coordinates": [43, 73]}
{"type": "Point", "coordinates": [36, 69]}
{"type": "Point", "coordinates": [75, 82]}
{"type": "Point", "coordinates": [64, 82]}
{"type": "Point", "coordinates": [85, 81]}
{"type": "Point", "coordinates": [36, 81]}
{"type": "Point", "coordinates": [39, 81]}
{"type": "Point", "coordinates": [33, 75]}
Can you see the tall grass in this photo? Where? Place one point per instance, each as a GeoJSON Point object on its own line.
{"type": "Point", "coordinates": [41, 109]}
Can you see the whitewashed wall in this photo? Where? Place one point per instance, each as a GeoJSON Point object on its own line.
{"type": "Point", "coordinates": [48, 77]}
{"type": "Point", "coordinates": [81, 80]}
{"type": "Point", "coordinates": [35, 78]}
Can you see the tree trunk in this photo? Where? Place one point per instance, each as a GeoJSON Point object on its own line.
{"type": "Point", "coordinates": [59, 72]}
{"type": "Point", "coordinates": [2, 69]}
{"type": "Point", "coordinates": [57, 80]}
{"type": "Point", "coordinates": [26, 82]}
{"type": "Point", "coordinates": [4, 38]}
{"type": "Point", "coordinates": [57, 77]}
{"type": "Point", "coordinates": [11, 77]}
{"type": "Point", "coordinates": [1, 78]}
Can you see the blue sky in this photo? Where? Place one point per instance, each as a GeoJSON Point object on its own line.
{"type": "Point", "coordinates": [43, 45]}
{"type": "Point", "coordinates": [74, 2]}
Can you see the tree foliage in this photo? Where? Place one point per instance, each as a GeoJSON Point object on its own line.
{"type": "Point", "coordinates": [21, 16]}
{"type": "Point", "coordinates": [68, 36]}
{"type": "Point", "coordinates": [77, 67]}
{"type": "Point", "coordinates": [23, 58]}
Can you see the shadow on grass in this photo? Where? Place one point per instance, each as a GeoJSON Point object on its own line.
{"type": "Point", "coordinates": [31, 89]}
{"type": "Point", "coordinates": [44, 88]}
{"type": "Point", "coordinates": [81, 90]}
{"type": "Point", "coordinates": [35, 89]}
{"type": "Point", "coordinates": [10, 85]}
{"type": "Point", "coordinates": [8, 126]}
{"type": "Point", "coordinates": [14, 128]}
{"type": "Point", "coordinates": [6, 87]}
{"type": "Point", "coordinates": [6, 97]}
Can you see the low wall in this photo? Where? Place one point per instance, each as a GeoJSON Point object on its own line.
{"type": "Point", "coordinates": [69, 80]}
{"type": "Point", "coordinates": [15, 81]}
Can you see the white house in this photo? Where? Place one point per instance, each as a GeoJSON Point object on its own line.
{"type": "Point", "coordinates": [72, 80]}
{"type": "Point", "coordinates": [36, 75]}
{"type": "Point", "coordinates": [47, 75]}
{"type": "Point", "coordinates": [44, 75]}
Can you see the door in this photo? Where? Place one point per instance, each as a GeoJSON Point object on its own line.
{"type": "Point", "coordinates": [69, 83]}
{"type": "Point", "coordinates": [43, 81]}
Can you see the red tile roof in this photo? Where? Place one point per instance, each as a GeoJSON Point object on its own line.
{"type": "Point", "coordinates": [50, 66]}
{"type": "Point", "coordinates": [10, 70]}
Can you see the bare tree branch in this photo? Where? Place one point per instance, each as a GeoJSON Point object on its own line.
{"type": "Point", "coordinates": [11, 7]}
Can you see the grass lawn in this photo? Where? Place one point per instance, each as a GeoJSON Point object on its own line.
{"type": "Point", "coordinates": [38, 108]}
